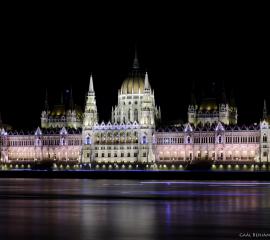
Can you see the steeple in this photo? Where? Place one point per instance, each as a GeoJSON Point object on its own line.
{"type": "Point", "coordinates": [232, 99]}
{"type": "Point", "coordinates": [223, 93]}
{"type": "Point", "coordinates": [135, 61]}
{"type": "Point", "coordinates": [264, 110]}
{"type": "Point", "coordinates": [71, 102]}
{"type": "Point", "coordinates": [46, 103]}
{"type": "Point", "coordinates": [91, 86]}
{"type": "Point", "coordinates": [146, 82]}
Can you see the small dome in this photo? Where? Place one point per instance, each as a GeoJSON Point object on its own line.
{"type": "Point", "coordinates": [209, 104]}
{"type": "Point", "coordinates": [58, 110]}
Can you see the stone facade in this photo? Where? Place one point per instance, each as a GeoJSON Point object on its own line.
{"type": "Point", "coordinates": [133, 135]}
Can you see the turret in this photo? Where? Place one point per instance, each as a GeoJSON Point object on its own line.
{"type": "Point", "coordinates": [90, 119]}
{"type": "Point", "coordinates": [45, 112]}
{"type": "Point", "coordinates": [90, 114]}
{"type": "Point", "coordinates": [264, 110]}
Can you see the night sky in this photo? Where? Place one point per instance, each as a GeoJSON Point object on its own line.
{"type": "Point", "coordinates": [37, 54]}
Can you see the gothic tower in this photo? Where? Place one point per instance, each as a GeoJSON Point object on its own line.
{"type": "Point", "coordinates": [90, 119]}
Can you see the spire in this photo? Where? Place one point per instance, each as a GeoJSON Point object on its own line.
{"type": "Point", "coordinates": [223, 93]}
{"type": "Point", "coordinates": [0, 118]}
{"type": "Point", "coordinates": [264, 110]}
{"type": "Point", "coordinates": [91, 86]}
{"type": "Point", "coordinates": [232, 99]}
{"type": "Point", "coordinates": [46, 103]}
{"type": "Point", "coordinates": [71, 102]}
{"type": "Point", "coordinates": [135, 61]}
{"type": "Point", "coordinates": [146, 82]}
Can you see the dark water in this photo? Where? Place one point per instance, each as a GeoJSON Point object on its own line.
{"type": "Point", "coordinates": [122, 209]}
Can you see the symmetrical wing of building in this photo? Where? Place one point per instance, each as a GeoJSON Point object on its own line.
{"type": "Point", "coordinates": [134, 136]}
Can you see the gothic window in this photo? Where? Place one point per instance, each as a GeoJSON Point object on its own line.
{"type": "Point", "coordinates": [188, 139]}
{"type": "Point", "coordinates": [122, 154]}
{"type": "Point", "coordinates": [87, 140]}
{"type": "Point", "coordinates": [109, 155]}
{"type": "Point", "coordinates": [144, 140]}
{"type": "Point", "coordinates": [264, 138]}
{"type": "Point", "coordinates": [115, 154]}
{"type": "Point", "coordinates": [144, 154]}
{"type": "Point", "coordinates": [135, 154]}
{"type": "Point", "coordinates": [136, 115]}
{"type": "Point", "coordinates": [128, 155]}
{"type": "Point", "coordinates": [96, 155]}
{"type": "Point", "coordinates": [62, 141]}
{"type": "Point", "coordinates": [102, 155]}
{"type": "Point", "coordinates": [219, 139]}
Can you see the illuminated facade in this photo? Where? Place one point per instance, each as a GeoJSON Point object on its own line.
{"type": "Point", "coordinates": [133, 135]}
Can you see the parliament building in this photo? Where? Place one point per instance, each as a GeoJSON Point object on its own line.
{"type": "Point", "coordinates": [69, 135]}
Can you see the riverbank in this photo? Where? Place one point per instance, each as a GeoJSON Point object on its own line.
{"type": "Point", "coordinates": [139, 174]}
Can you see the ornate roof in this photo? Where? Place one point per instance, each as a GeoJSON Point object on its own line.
{"type": "Point", "coordinates": [133, 84]}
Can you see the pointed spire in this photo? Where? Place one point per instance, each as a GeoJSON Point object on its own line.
{"type": "Point", "coordinates": [232, 99]}
{"type": "Point", "coordinates": [135, 61]}
{"type": "Point", "coordinates": [71, 102]}
{"type": "Point", "coordinates": [264, 110]}
{"type": "Point", "coordinates": [223, 93]}
{"type": "Point", "coordinates": [91, 85]}
{"type": "Point", "coordinates": [146, 81]}
{"type": "Point", "coordinates": [46, 103]}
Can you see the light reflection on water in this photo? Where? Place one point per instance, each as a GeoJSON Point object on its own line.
{"type": "Point", "coordinates": [130, 209]}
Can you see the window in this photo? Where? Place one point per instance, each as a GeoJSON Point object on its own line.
{"type": "Point", "coordinates": [128, 155]}
{"type": "Point", "coordinates": [109, 155]}
{"type": "Point", "coordinates": [136, 114]}
{"type": "Point", "coordinates": [144, 154]}
{"type": "Point", "coordinates": [264, 138]}
{"type": "Point", "coordinates": [96, 155]}
{"type": "Point", "coordinates": [102, 155]}
{"type": "Point", "coordinates": [135, 154]}
{"type": "Point", "coordinates": [87, 140]}
{"type": "Point", "coordinates": [144, 140]}
{"type": "Point", "coordinates": [87, 155]}
{"type": "Point", "coordinates": [219, 139]}
{"type": "Point", "coordinates": [122, 154]}
{"type": "Point", "coordinates": [265, 154]}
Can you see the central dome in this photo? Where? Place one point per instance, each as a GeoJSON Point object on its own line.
{"type": "Point", "coordinates": [133, 84]}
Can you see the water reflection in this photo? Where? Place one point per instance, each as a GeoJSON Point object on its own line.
{"type": "Point", "coordinates": [121, 209]}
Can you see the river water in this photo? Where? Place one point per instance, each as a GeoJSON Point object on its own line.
{"type": "Point", "coordinates": [132, 209]}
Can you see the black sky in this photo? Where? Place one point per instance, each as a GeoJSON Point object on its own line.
{"type": "Point", "coordinates": [56, 52]}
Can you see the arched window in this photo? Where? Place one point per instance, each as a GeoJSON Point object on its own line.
{"type": "Point", "coordinates": [87, 140]}
{"type": "Point", "coordinates": [188, 139]}
{"type": "Point", "coordinates": [136, 115]}
{"type": "Point", "coordinates": [129, 115]}
{"type": "Point", "coordinates": [62, 141]}
{"type": "Point", "coordinates": [144, 141]}
{"type": "Point", "coordinates": [219, 139]}
{"type": "Point", "coordinates": [264, 138]}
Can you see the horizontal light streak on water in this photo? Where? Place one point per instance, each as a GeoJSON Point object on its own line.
{"type": "Point", "coordinates": [210, 183]}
